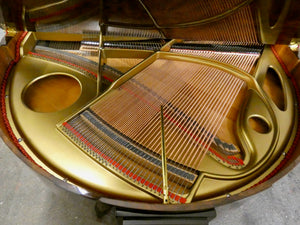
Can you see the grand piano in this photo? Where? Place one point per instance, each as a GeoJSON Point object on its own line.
{"type": "Point", "coordinates": [161, 106]}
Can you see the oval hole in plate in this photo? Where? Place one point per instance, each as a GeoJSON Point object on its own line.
{"type": "Point", "coordinates": [259, 124]}
{"type": "Point", "coordinates": [273, 87]}
{"type": "Point", "coordinates": [52, 93]}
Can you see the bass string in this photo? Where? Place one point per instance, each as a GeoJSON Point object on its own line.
{"type": "Point", "coordinates": [156, 123]}
{"type": "Point", "coordinates": [119, 158]}
{"type": "Point", "coordinates": [110, 151]}
{"type": "Point", "coordinates": [142, 162]}
{"type": "Point", "coordinates": [134, 109]}
{"type": "Point", "coordinates": [136, 171]}
{"type": "Point", "coordinates": [238, 60]}
{"type": "Point", "coordinates": [108, 108]}
{"type": "Point", "coordinates": [128, 100]}
{"type": "Point", "coordinates": [150, 132]}
{"type": "Point", "coordinates": [110, 101]}
{"type": "Point", "coordinates": [93, 136]}
{"type": "Point", "coordinates": [209, 85]}
{"type": "Point", "coordinates": [112, 110]}
{"type": "Point", "coordinates": [88, 133]}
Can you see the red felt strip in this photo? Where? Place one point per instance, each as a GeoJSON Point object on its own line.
{"type": "Point", "coordinates": [297, 137]}
{"type": "Point", "coordinates": [120, 167]}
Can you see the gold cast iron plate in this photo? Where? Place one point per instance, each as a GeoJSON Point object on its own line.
{"type": "Point", "coordinates": [42, 138]}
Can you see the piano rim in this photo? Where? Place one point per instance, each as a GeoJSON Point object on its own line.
{"type": "Point", "coordinates": [286, 165]}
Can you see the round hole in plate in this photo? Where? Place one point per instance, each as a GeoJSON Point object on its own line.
{"type": "Point", "coordinates": [259, 124]}
{"type": "Point", "coordinates": [52, 93]}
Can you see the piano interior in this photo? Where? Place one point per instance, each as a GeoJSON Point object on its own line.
{"type": "Point", "coordinates": [158, 102]}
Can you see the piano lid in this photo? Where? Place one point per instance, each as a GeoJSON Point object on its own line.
{"type": "Point", "coordinates": [230, 22]}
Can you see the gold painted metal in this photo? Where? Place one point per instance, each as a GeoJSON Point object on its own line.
{"type": "Point", "coordinates": [46, 143]}
{"type": "Point", "coordinates": [269, 33]}
{"type": "Point", "coordinates": [261, 149]}
{"type": "Point", "coordinates": [49, 145]}
{"type": "Point", "coordinates": [164, 159]}
{"type": "Point", "coordinates": [10, 31]}
{"type": "Point", "coordinates": [167, 46]}
{"type": "Point", "coordinates": [41, 138]}
{"type": "Point", "coordinates": [28, 43]}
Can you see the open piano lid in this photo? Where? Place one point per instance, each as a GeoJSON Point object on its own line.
{"type": "Point", "coordinates": [96, 146]}
{"type": "Point", "coordinates": [238, 22]}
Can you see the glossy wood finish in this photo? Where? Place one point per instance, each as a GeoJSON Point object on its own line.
{"type": "Point", "coordinates": [7, 54]}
